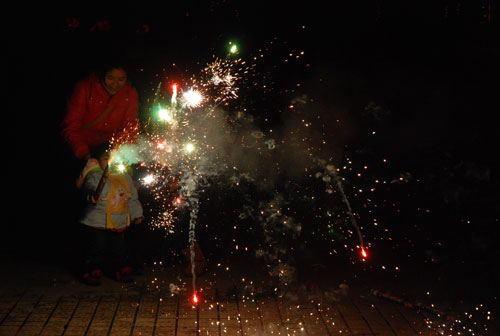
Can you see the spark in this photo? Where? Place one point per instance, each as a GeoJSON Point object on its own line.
{"type": "Point", "coordinates": [148, 179]}
{"type": "Point", "coordinates": [363, 252]}
{"type": "Point", "coordinates": [221, 76]}
{"type": "Point", "coordinates": [233, 49]}
{"type": "Point", "coordinates": [195, 298]}
{"type": "Point", "coordinates": [193, 98]}
{"type": "Point", "coordinates": [174, 94]}
{"type": "Point", "coordinates": [120, 167]}
{"type": "Point", "coordinates": [160, 145]}
{"type": "Point", "coordinates": [165, 115]}
{"type": "Point", "coordinates": [189, 148]}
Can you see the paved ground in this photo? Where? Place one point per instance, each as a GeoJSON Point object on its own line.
{"type": "Point", "coordinates": [235, 298]}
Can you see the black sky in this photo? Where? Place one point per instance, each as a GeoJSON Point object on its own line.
{"type": "Point", "coordinates": [434, 63]}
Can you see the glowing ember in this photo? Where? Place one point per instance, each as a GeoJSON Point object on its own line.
{"type": "Point", "coordinates": [195, 298]}
{"type": "Point", "coordinates": [363, 252]}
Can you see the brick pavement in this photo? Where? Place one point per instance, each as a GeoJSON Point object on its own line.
{"type": "Point", "coordinates": [51, 302]}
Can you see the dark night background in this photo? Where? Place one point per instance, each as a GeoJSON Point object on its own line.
{"type": "Point", "coordinates": [433, 65]}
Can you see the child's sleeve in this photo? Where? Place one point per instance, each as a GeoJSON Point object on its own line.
{"type": "Point", "coordinates": [90, 165]}
{"type": "Point", "coordinates": [134, 205]}
{"type": "Point", "coordinates": [92, 180]}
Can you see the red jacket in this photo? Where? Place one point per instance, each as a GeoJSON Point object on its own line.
{"type": "Point", "coordinates": [85, 126]}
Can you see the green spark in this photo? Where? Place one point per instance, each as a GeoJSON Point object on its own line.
{"type": "Point", "coordinates": [233, 48]}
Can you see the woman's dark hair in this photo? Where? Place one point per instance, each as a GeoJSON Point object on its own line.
{"type": "Point", "coordinates": [109, 64]}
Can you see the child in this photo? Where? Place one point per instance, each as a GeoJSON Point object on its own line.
{"type": "Point", "coordinates": [106, 218]}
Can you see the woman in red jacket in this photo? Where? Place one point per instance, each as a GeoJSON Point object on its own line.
{"type": "Point", "coordinates": [101, 105]}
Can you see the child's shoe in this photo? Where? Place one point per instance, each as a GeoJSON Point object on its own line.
{"type": "Point", "coordinates": [92, 278]}
{"type": "Point", "coordinates": [124, 274]}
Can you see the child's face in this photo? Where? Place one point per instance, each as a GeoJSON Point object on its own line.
{"type": "Point", "coordinates": [103, 160]}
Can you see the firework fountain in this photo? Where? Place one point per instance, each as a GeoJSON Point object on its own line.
{"type": "Point", "coordinates": [200, 129]}
{"type": "Point", "coordinates": [190, 137]}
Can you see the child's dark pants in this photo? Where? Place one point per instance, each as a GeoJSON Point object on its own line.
{"type": "Point", "coordinates": [104, 250]}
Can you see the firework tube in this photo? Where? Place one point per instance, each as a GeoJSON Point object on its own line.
{"type": "Point", "coordinates": [416, 306]}
{"type": "Point", "coordinates": [102, 182]}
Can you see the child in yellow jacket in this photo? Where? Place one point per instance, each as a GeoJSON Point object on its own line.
{"type": "Point", "coordinates": [105, 219]}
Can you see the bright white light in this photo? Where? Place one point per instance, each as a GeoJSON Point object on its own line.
{"type": "Point", "coordinates": [233, 49]}
{"type": "Point", "coordinates": [165, 115]}
{"type": "Point", "coordinates": [229, 79]}
{"type": "Point", "coordinates": [148, 179]}
{"type": "Point", "coordinates": [216, 79]}
{"type": "Point", "coordinates": [193, 98]}
{"type": "Point", "coordinates": [189, 147]}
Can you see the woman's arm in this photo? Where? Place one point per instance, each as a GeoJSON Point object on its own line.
{"type": "Point", "coordinates": [72, 123]}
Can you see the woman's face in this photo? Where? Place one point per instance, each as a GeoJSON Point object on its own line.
{"type": "Point", "coordinates": [114, 80]}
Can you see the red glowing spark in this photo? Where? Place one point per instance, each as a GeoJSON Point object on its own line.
{"type": "Point", "coordinates": [363, 252]}
{"type": "Point", "coordinates": [195, 298]}
{"type": "Point", "coordinates": [178, 200]}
